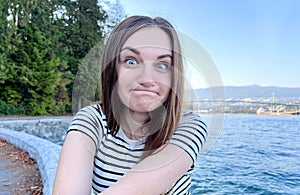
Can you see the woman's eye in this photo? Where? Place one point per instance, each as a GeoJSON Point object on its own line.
{"type": "Point", "coordinates": [131, 61]}
{"type": "Point", "coordinates": [162, 66]}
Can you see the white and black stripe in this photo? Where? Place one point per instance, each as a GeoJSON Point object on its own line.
{"type": "Point", "coordinates": [117, 154]}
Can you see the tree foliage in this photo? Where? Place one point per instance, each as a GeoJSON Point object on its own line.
{"type": "Point", "coordinates": [42, 44]}
{"type": "Point", "coordinates": [86, 85]}
{"type": "Point", "coordinates": [115, 13]}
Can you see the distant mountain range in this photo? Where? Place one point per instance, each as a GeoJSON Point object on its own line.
{"type": "Point", "coordinates": [252, 91]}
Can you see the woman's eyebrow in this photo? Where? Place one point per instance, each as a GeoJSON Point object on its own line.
{"type": "Point", "coordinates": [138, 53]}
{"type": "Point", "coordinates": [164, 56]}
{"type": "Point", "coordinates": [131, 49]}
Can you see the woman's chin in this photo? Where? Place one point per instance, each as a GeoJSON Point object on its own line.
{"type": "Point", "coordinates": [144, 107]}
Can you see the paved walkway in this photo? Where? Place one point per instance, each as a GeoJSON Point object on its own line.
{"type": "Point", "coordinates": [36, 147]}
{"type": "Point", "coordinates": [19, 174]}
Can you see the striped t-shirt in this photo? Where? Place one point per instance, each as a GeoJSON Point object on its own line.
{"type": "Point", "coordinates": [116, 154]}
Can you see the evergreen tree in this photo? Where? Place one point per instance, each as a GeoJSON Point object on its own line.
{"type": "Point", "coordinates": [115, 14]}
{"type": "Point", "coordinates": [31, 68]}
{"type": "Point", "coordinates": [3, 41]}
{"type": "Point", "coordinates": [55, 30]}
{"type": "Point", "coordinates": [35, 72]}
{"type": "Point", "coordinates": [86, 85]}
{"type": "Point", "coordinates": [83, 31]}
{"type": "Point", "coordinates": [86, 88]}
{"type": "Point", "coordinates": [42, 45]}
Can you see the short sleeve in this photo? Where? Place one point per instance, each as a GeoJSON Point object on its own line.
{"type": "Point", "coordinates": [90, 121]}
{"type": "Point", "coordinates": [190, 134]}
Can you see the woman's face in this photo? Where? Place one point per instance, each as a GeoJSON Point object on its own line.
{"type": "Point", "coordinates": [145, 70]}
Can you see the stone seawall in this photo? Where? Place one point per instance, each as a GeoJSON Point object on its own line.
{"type": "Point", "coordinates": [49, 128]}
{"type": "Point", "coordinates": [41, 138]}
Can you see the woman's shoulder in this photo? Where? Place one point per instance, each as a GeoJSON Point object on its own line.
{"type": "Point", "coordinates": [92, 106]}
{"type": "Point", "coordinates": [94, 109]}
{"type": "Point", "coordinates": [190, 134]}
{"type": "Point", "coordinates": [191, 116]}
{"type": "Point", "coordinates": [192, 119]}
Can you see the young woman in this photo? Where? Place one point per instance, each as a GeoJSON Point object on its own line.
{"type": "Point", "coordinates": [138, 140]}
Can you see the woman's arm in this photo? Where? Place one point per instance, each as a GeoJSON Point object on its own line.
{"type": "Point", "coordinates": [158, 172]}
{"type": "Point", "coordinates": [75, 168]}
{"type": "Point", "coordinates": [155, 174]}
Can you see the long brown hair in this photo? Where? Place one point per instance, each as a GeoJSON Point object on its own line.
{"type": "Point", "coordinates": [164, 119]}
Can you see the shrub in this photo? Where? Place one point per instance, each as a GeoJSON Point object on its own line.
{"type": "Point", "coordinates": [9, 109]}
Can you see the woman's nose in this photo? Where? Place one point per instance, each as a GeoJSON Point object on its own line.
{"type": "Point", "coordinates": [146, 77]}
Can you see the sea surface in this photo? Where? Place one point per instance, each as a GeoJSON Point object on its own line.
{"type": "Point", "coordinates": [254, 154]}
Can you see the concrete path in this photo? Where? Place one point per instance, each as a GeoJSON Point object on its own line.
{"type": "Point", "coordinates": [43, 151]}
{"type": "Point", "coordinates": [19, 174]}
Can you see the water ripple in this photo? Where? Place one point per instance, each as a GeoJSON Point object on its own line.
{"type": "Point", "coordinates": [254, 155]}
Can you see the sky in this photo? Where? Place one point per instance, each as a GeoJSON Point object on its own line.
{"type": "Point", "coordinates": [249, 41]}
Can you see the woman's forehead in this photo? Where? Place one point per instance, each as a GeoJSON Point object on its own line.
{"type": "Point", "coordinates": [149, 37]}
{"type": "Point", "coordinates": [147, 50]}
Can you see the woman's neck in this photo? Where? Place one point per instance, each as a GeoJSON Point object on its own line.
{"type": "Point", "coordinates": [133, 124]}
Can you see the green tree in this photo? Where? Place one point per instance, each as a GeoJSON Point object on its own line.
{"type": "Point", "coordinates": [34, 74]}
{"type": "Point", "coordinates": [30, 65]}
{"type": "Point", "coordinates": [83, 31]}
{"type": "Point", "coordinates": [86, 85]}
{"type": "Point", "coordinates": [44, 38]}
{"type": "Point", "coordinates": [3, 41]}
{"type": "Point", "coordinates": [115, 13]}
{"type": "Point", "coordinates": [53, 26]}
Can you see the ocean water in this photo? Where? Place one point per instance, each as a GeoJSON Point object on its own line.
{"type": "Point", "coordinates": [253, 155]}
